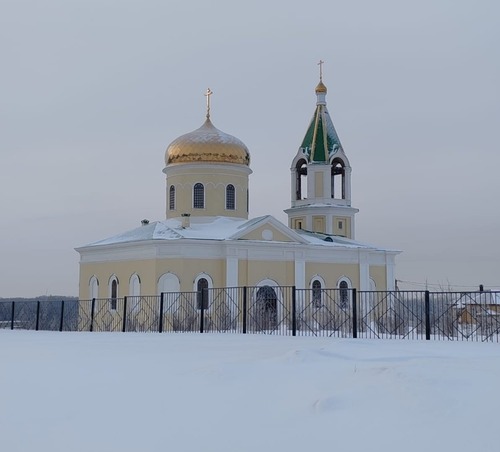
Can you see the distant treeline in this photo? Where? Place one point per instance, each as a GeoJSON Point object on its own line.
{"type": "Point", "coordinates": [46, 312]}
{"type": "Point", "coordinates": [42, 298]}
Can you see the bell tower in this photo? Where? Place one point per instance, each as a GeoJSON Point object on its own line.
{"type": "Point", "coordinates": [321, 177]}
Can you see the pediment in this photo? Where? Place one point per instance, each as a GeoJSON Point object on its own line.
{"type": "Point", "coordinates": [267, 229]}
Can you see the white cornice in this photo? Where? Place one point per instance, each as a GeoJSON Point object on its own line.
{"type": "Point", "coordinates": [220, 249]}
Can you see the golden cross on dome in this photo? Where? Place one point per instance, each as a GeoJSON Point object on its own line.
{"type": "Point", "coordinates": [320, 64]}
{"type": "Point", "coordinates": [208, 94]}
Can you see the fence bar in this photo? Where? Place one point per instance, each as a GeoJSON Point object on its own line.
{"type": "Point", "coordinates": [61, 323]}
{"type": "Point", "coordinates": [245, 290]}
{"type": "Point", "coordinates": [160, 322]}
{"type": "Point", "coordinates": [37, 315]}
{"type": "Point", "coordinates": [354, 314]}
{"type": "Point", "coordinates": [294, 311]}
{"type": "Point", "coordinates": [12, 316]}
{"type": "Point", "coordinates": [92, 315]}
{"type": "Point", "coordinates": [204, 296]}
{"type": "Point", "coordinates": [124, 325]}
{"type": "Point", "coordinates": [427, 316]}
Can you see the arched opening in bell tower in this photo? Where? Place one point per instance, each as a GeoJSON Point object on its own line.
{"type": "Point", "coordinates": [338, 179]}
{"type": "Point", "coordinates": [301, 180]}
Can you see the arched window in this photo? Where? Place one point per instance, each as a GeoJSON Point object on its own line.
{"type": "Point", "coordinates": [198, 196]}
{"type": "Point", "coordinates": [338, 179]}
{"type": "Point", "coordinates": [301, 180]}
{"type": "Point", "coordinates": [344, 294]}
{"type": "Point", "coordinates": [168, 282]}
{"type": "Point", "coordinates": [134, 286]}
{"type": "Point", "coordinates": [93, 287]}
{"type": "Point", "coordinates": [113, 291]}
{"type": "Point", "coordinates": [170, 286]}
{"type": "Point", "coordinates": [316, 293]}
{"type": "Point", "coordinates": [230, 197]}
{"type": "Point", "coordinates": [202, 295]}
{"type": "Point", "coordinates": [171, 198]}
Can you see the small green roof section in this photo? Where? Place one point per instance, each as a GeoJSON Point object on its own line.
{"type": "Point", "coordinates": [321, 140]}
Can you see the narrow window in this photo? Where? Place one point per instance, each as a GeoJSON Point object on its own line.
{"type": "Point", "coordinates": [202, 295]}
{"type": "Point", "coordinates": [172, 198]}
{"type": "Point", "coordinates": [114, 291]}
{"type": "Point", "coordinates": [248, 201]}
{"type": "Point", "coordinates": [316, 293]}
{"type": "Point", "coordinates": [199, 196]}
{"type": "Point", "coordinates": [230, 198]}
{"type": "Point", "coordinates": [344, 295]}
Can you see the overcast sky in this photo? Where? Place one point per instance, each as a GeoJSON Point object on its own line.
{"type": "Point", "coordinates": [92, 92]}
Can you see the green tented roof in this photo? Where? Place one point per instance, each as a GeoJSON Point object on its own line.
{"type": "Point", "coordinates": [321, 139]}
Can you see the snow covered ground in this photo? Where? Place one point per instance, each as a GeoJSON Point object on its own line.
{"type": "Point", "coordinates": [108, 392]}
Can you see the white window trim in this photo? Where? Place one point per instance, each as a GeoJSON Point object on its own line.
{"type": "Point", "coordinates": [170, 198]}
{"type": "Point", "coordinates": [277, 290]}
{"type": "Point", "coordinates": [93, 280]}
{"type": "Point", "coordinates": [210, 286]}
{"type": "Point", "coordinates": [234, 192]}
{"type": "Point", "coordinates": [204, 196]}
{"type": "Point", "coordinates": [170, 303]}
{"type": "Point", "coordinates": [323, 286]}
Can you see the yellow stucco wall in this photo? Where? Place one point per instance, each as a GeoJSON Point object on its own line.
{"type": "Point", "coordinates": [123, 271]}
{"type": "Point", "coordinates": [318, 223]}
{"type": "Point", "coordinates": [256, 234]}
{"type": "Point", "coordinates": [331, 273]}
{"type": "Point", "coordinates": [318, 185]}
{"type": "Point", "coordinates": [346, 232]}
{"type": "Point", "coordinates": [215, 184]}
{"type": "Point", "coordinates": [188, 269]}
{"type": "Point", "coordinates": [250, 273]}
{"type": "Point", "coordinates": [378, 274]}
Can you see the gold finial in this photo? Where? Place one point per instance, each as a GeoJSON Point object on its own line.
{"type": "Point", "coordinates": [320, 64]}
{"type": "Point", "coordinates": [208, 94]}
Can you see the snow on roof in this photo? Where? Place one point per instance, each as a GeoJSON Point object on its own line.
{"type": "Point", "coordinates": [318, 238]}
{"type": "Point", "coordinates": [217, 228]}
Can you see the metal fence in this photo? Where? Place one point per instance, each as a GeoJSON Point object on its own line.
{"type": "Point", "coordinates": [274, 310]}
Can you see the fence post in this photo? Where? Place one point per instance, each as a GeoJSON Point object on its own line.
{"type": "Point", "coordinates": [61, 323]}
{"type": "Point", "coordinates": [92, 307]}
{"type": "Point", "coordinates": [245, 310]}
{"type": "Point", "coordinates": [354, 314]}
{"type": "Point", "coordinates": [204, 293]}
{"type": "Point", "coordinates": [427, 316]}
{"type": "Point", "coordinates": [37, 315]}
{"type": "Point", "coordinates": [12, 315]}
{"type": "Point", "coordinates": [160, 324]}
{"type": "Point", "coordinates": [294, 311]}
{"type": "Point", "coordinates": [124, 326]}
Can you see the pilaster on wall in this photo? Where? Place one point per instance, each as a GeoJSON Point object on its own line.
{"type": "Point", "coordinates": [390, 267]}
{"type": "Point", "coordinates": [232, 271]}
{"type": "Point", "coordinates": [364, 272]}
{"type": "Point", "coordinates": [300, 273]}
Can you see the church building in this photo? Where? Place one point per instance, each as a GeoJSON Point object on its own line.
{"type": "Point", "coordinates": [207, 239]}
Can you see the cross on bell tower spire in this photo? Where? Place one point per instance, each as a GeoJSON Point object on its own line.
{"type": "Point", "coordinates": [320, 64]}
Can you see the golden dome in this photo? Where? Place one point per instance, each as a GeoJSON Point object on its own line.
{"type": "Point", "coordinates": [207, 144]}
{"type": "Point", "coordinates": [321, 88]}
